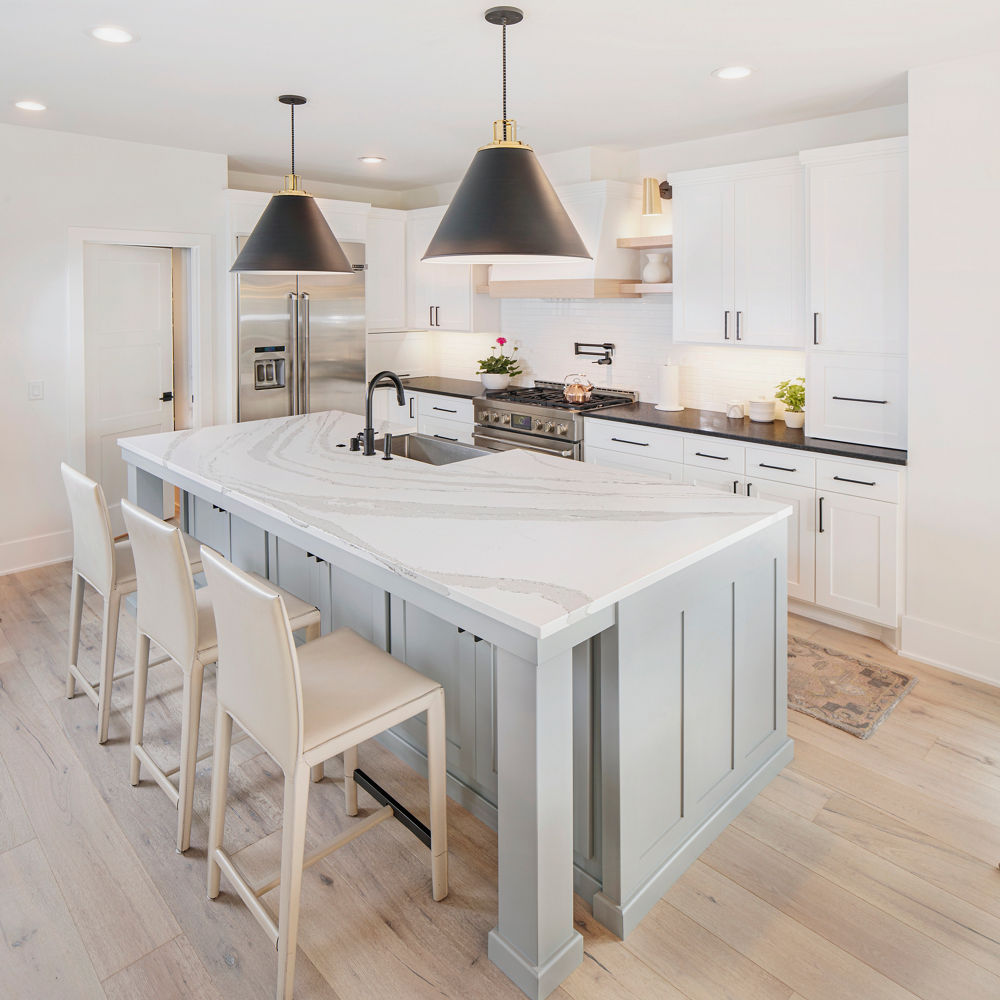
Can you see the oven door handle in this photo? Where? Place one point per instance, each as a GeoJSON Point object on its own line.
{"type": "Point", "coordinates": [486, 438]}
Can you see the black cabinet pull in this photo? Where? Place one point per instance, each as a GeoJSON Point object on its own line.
{"type": "Point", "coordinates": [815, 328]}
{"type": "Point", "coordinates": [430, 315]}
{"type": "Point", "coordinates": [441, 437]}
{"type": "Point", "coordinates": [749, 486]}
{"type": "Point", "coordinates": [638, 444]}
{"type": "Point", "coordinates": [444, 409]}
{"type": "Point", "coordinates": [718, 458]}
{"type": "Point", "coordinates": [736, 486]}
{"type": "Point", "coordinates": [437, 315]}
{"type": "Point", "coordinates": [739, 319]}
{"type": "Point", "coordinates": [855, 399]}
{"type": "Point", "coordinates": [821, 514]}
{"type": "Point", "coordinates": [857, 482]}
{"type": "Point", "coordinates": [166, 397]}
{"type": "Point", "coordinates": [725, 324]}
{"type": "Point", "coordinates": [781, 468]}
{"type": "Point", "coordinates": [411, 407]}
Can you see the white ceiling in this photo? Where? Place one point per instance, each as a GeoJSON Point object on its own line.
{"type": "Point", "coordinates": [419, 82]}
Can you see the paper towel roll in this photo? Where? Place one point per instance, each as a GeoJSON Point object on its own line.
{"type": "Point", "coordinates": [670, 388]}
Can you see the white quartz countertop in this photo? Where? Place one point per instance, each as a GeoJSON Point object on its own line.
{"type": "Point", "coordinates": [532, 541]}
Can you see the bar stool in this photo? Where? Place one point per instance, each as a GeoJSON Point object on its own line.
{"type": "Point", "coordinates": [108, 566]}
{"type": "Point", "coordinates": [179, 619]}
{"type": "Point", "coordinates": [304, 706]}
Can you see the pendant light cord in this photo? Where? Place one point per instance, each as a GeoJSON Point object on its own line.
{"type": "Point", "coordinates": [292, 106]}
{"type": "Point", "coordinates": [505, 79]}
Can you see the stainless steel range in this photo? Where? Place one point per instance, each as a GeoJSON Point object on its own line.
{"type": "Point", "coordinates": [539, 418]}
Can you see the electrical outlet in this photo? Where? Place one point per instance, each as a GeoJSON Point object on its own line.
{"type": "Point", "coordinates": [36, 390]}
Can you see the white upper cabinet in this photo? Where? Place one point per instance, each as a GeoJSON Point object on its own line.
{"type": "Point", "coordinates": [441, 295]}
{"type": "Point", "coordinates": [858, 247]}
{"type": "Point", "coordinates": [385, 284]}
{"type": "Point", "coordinates": [739, 245]}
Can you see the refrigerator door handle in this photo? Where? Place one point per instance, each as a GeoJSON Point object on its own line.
{"type": "Point", "coordinates": [303, 376]}
{"type": "Point", "coordinates": [293, 339]}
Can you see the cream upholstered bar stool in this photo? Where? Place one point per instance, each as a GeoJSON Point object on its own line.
{"type": "Point", "coordinates": [304, 706]}
{"type": "Point", "coordinates": [108, 566]}
{"type": "Point", "coordinates": [179, 619]}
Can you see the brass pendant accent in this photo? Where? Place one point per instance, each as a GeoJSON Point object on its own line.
{"type": "Point", "coordinates": [505, 134]}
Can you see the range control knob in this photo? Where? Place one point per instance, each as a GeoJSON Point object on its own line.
{"type": "Point", "coordinates": [562, 429]}
{"type": "Point", "coordinates": [539, 424]}
{"type": "Point", "coordinates": [495, 418]}
{"type": "Point", "coordinates": [550, 427]}
{"type": "Point", "coordinates": [505, 418]}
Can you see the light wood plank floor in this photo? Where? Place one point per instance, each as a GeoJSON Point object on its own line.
{"type": "Point", "coordinates": [865, 870]}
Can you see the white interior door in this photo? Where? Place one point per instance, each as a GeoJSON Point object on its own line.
{"type": "Point", "coordinates": [128, 357]}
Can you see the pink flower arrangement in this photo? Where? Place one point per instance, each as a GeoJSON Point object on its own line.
{"type": "Point", "coordinates": [498, 363]}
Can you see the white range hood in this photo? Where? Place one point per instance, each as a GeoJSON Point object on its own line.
{"type": "Point", "coordinates": [602, 211]}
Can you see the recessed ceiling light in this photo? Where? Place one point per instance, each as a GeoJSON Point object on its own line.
{"type": "Point", "coordinates": [372, 159]}
{"type": "Point", "coordinates": [112, 33]}
{"type": "Point", "coordinates": [732, 72]}
{"type": "Point", "coordinates": [30, 105]}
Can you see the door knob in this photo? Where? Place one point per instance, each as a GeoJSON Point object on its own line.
{"type": "Point", "coordinates": [166, 397]}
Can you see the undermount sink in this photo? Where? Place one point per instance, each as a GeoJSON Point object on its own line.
{"type": "Point", "coordinates": [431, 450]}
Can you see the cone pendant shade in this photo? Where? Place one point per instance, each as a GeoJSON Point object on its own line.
{"type": "Point", "coordinates": [506, 209]}
{"type": "Point", "coordinates": [292, 237]}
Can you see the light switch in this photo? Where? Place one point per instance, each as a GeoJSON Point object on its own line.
{"type": "Point", "coordinates": [36, 390]}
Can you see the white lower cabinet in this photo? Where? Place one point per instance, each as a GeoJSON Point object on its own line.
{"type": "Point", "coordinates": [716, 479]}
{"type": "Point", "coordinates": [447, 430]}
{"type": "Point", "coordinates": [673, 471]}
{"type": "Point", "coordinates": [801, 533]}
{"type": "Point", "coordinates": [856, 556]}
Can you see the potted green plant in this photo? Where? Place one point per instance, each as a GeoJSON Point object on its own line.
{"type": "Point", "coordinates": [792, 392]}
{"type": "Point", "coordinates": [499, 368]}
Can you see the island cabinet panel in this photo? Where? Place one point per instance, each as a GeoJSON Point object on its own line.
{"type": "Point", "coordinates": [209, 523]}
{"type": "Point", "coordinates": [445, 653]}
{"type": "Point", "coordinates": [303, 574]}
{"type": "Point", "coordinates": [693, 717]}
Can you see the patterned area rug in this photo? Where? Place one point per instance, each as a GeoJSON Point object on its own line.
{"type": "Point", "coordinates": [840, 690]}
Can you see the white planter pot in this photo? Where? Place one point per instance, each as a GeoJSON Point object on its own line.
{"type": "Point", "coordinates": [793, 419]}
{"type": "Point", "coordinates": [657, 270]}
{"type": "Point", "coordinates": [493, 382]}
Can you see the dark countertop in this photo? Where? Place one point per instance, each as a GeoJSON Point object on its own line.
{"type": "Point", "coordinates": [692, 422]}
{"type": "Point", "coordinates": [464, 388]}
{"type": "Point", "coordinates": [719, 425]}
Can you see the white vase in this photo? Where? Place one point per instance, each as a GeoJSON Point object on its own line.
{"type": "Point", "coordinates": [494, 382]}
{"type": "Point", "coordinates": [657, 270]}
{"type": "Point", "coordinates": [795, 419]}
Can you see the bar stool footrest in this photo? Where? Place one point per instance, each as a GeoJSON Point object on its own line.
{"type": "Point", "coordinates": [399, 811]}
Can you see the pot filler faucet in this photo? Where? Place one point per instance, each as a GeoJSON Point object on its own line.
{"type": "Point", "coordinates": [369, 431]}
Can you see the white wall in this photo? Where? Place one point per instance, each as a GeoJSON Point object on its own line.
{"type": "Point", "coordinates": [50, 183]}
{"type": "Point", "coordinates": [953, 532]}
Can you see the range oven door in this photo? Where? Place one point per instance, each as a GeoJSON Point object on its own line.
{"type": "Point", "coordinates": [494, 439]}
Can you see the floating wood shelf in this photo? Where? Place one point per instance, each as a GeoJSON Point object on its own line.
{"type": "Point", "coordinates": [559, 288]}
{"type": "Point", "coordinates": [641, 288]}
{"type": "Point", "coordinates": [645, 242]}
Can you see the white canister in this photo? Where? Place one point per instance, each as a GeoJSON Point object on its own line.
{"type": "Point", "coordinates": [761, 410]}
{"type": "Point", "coordinates": [735, 409]}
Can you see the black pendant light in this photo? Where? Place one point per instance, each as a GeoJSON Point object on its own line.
{"type": "Point", "coordinates": [505, 209]}
{"type": "Point", "coordinates": [292, 237]}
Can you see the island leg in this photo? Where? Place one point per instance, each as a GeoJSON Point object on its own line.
{"type": "Point", "coordinates": [535, 942]}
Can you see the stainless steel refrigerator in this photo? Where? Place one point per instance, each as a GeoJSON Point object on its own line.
{"type": "Point", "coordinates": [301, 341]}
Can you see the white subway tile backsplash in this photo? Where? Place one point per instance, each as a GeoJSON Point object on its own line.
{"type": "Point", "coordinates": [545, 330]}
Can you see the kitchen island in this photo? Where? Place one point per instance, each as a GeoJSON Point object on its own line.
{"type": "Point", "coordinates": [613, 647]}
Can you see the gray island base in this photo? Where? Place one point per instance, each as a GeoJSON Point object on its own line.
{"type": "Point", "coordinates": [612, 647]}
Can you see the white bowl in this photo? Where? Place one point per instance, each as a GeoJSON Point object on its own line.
{"type": "Point", "coordinates": [761, 410]}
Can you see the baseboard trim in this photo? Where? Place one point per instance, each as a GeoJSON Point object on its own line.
{"type": "Point", "coordinates": [622, 918]}
{"type": "Point", "coordinates": [857, 625]}
{"type": "Point", "coordinates": [35, 552]}
{"type": "Point", "coordinates": [962, 653]}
